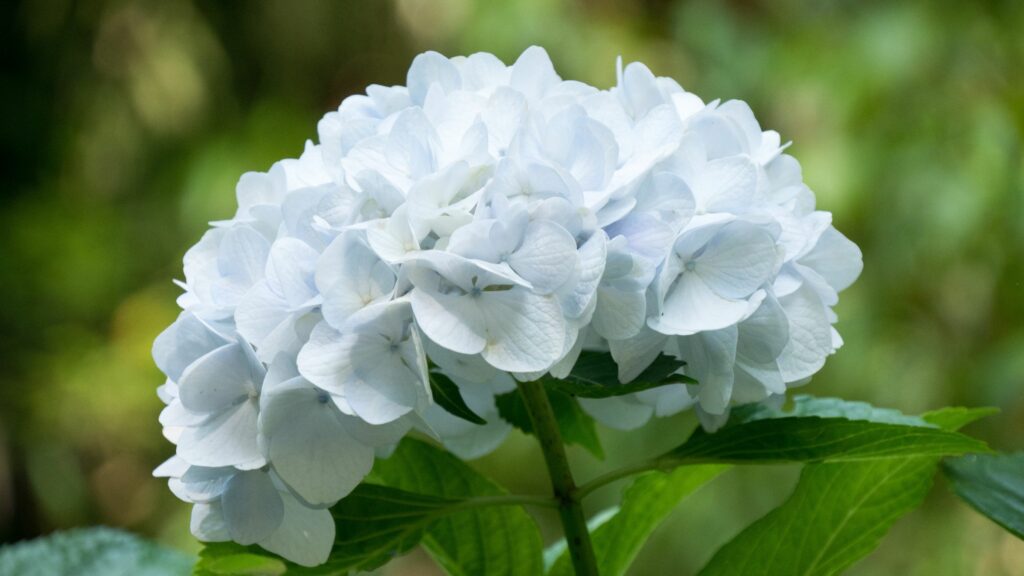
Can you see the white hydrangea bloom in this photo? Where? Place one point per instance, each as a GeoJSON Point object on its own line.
{"type": "Point", "coordinates": [489, 222]}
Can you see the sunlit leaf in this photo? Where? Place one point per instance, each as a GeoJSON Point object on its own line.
{"type": "Point", "coordinates": [956, 417]}
{"type": "Point", "coordinates": [230, 559]}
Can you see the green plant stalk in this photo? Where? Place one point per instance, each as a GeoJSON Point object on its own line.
{"type": "Point", "coordinates": [574, 523]}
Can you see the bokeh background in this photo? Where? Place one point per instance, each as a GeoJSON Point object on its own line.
{"type": "Point", "coordinates": [126, 124]}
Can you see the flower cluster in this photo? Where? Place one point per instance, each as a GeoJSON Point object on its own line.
{"type": "Point", "coordinates": [495, 220]}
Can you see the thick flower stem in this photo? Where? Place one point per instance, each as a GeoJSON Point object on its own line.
{"type": "Point", "coordinates": [574, 523]}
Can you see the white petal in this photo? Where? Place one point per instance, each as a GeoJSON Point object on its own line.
{"type": "Point", "coordinates": [308, 444]}
{"type": "Point", "coordinates": [218, 379]}
{"type": "Point", "coordinates": [710, 357]}
{"type": "Point", "coordinates": [288, 337]}
{"type": "Point", "coordinates": [525, 331]}
{"type": "Point", "coordinates": [290, 268]}
{"type": "Point", "coordinates": [546, 256]}
{"type": "Point", "coordinates": [412, 146]}
{"type": "Point", "coordinates": [175, 414]}
{"type": "Point", "coordinates": [431, 69]}
{"type": "Point", "coordinates": [320, 361]}
{"type": "Point", "coordinates": [377, 435]}
{"type": "Point", "coordinates": [592, 258]}
{"type": "Point", "coordinates": [635, 354]}
{"type": "Point", "coordinates": [305, 535]}
{"type": "Point", "coordinates": [453, 321]}
{"type": "Point", "coordinates": [474, 241]}
{"type": "Point", "coordinates": [691, 307]}
{"type": "Point", "coordinates": [202, 484]}
{"type": "Point", "coordinates": [380, 375]}
{"type": "Point", "coordinates": [184, 342]}
{"type": "Point", "coordinates": [667, 400]}
{"type": "Point", "coordinates": [639, 89]}
{"type": "Point", "coordinates": [260, 312]}
{"type": "Point", "coordinates": [533, 74]}
{"type": "Point", "coordinates": [252, 507]}
{"type": "Point", "coordinates": [727, 184]}
{"type": "Point", "coordinates": [207, 523]}
{"type": "Point", "coordinates": [619, 314]}
{"type": "Point", "coordinates": [810, 336]}
{"type": "Point", "coordinates": [763, 336]}
{"type": "Point", "coordinates": [755, 382]}
{"type": "Point", "coordinates": [836, 258]}
{"type": "Point", "coordinates": [648, 236]}
{"type": "Point", "coordinates": [228, 439]}
{"type": "Point", "coordinates": [384, 387]}
{"type": "Point", "coordinates": [173, 467]}
{"type": "Point", "coordinates": [243, 254]}
{"type": "Point", "coordinates": [738, 260]}
{"type": "Point", "coordinates": [352, 277]}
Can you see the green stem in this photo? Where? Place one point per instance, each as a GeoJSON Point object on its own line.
{"type": "Point", "coordinates": [507, 500]}
{"type": "Point", "coordinates": [574, 523]}
{"type": "Point", "coordinates": [612, 476]}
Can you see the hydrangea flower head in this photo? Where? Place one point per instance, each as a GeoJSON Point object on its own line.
{"type": "Point", "coordinates": [490, 222]}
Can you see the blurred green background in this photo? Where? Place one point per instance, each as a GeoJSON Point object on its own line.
{"type": "Point", "coordinates": [126, 124]}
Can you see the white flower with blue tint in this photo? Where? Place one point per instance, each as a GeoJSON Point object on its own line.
{"type": "Point", "coordinates": [489, 222]}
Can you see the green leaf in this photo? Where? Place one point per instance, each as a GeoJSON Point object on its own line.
{"type": "Point", "coordinates": [645, 504]}
{"type": "Point", "coordinates": [804, 405]}
{"type": "Point", "coordinates": [93, 552]}
{"type": "Point", "coordinates": [447, 395]}
{"type": "Point", "coordinates": [992, 485]}
{"type": "Point", "coordinates": [575, 425]}
{"type": "Point", "coordinates": [230, 559]}
{"type": "Point", "coordinates": [595, 375]}
{"type": "Point", "coordinates": [814, 439]}
{"type": "Point", "coordinates": [956, 417]}
{"type": "Point", "coordinates": [378, 523]}
{"type": "Point", "coordinates": [837, 514]}
{"type": "Point", "coordinates": [502, 541]}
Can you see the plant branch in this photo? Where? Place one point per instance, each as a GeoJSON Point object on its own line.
{"type": "Point", "coordinates": [618, 474]}
{"type": "Point", "coordinates": [507, 500]}
{"type": "Point", "coordinates": [574, 523]}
